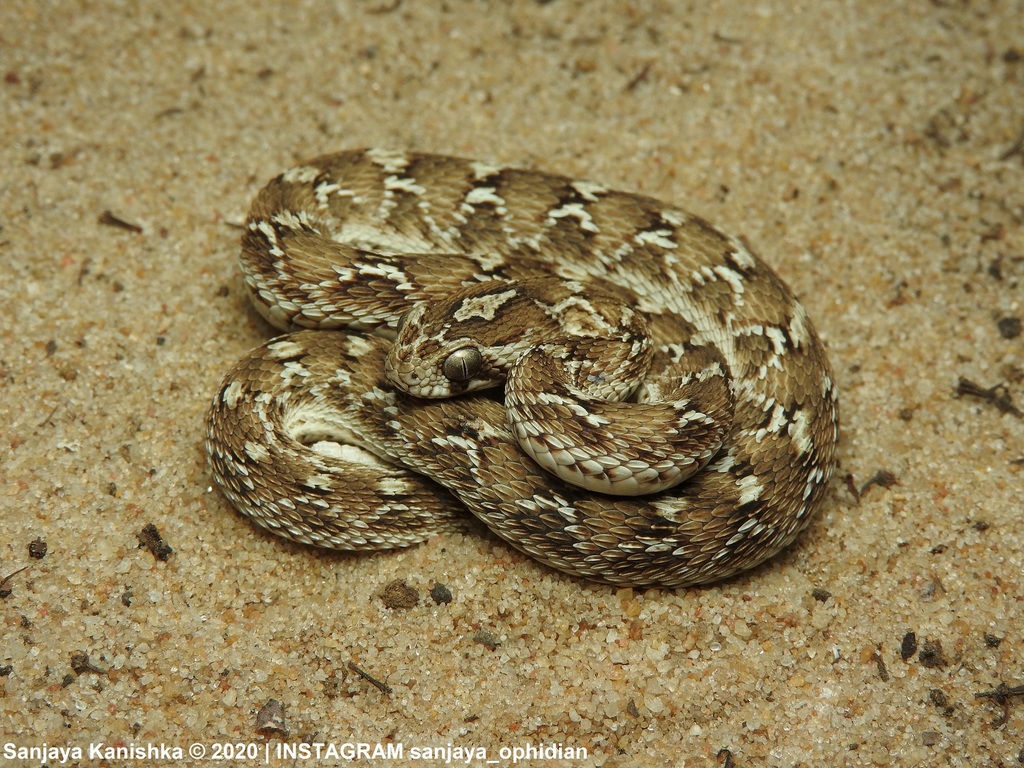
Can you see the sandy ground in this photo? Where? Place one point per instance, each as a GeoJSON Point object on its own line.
{"type": "Point", "coordinates": [871, 151]}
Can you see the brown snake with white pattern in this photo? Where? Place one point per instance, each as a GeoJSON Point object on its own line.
{"type": "Point", "coordinates": [557, 290]}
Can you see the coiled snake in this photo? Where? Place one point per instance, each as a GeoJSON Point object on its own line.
{"type": "Point", "coordinates": [728, 430]}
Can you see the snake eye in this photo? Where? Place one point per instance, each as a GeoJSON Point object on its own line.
{"type": "Point", "coordinates": [463, 364]}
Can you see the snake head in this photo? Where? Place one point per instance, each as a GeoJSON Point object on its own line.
{"type": "Point", "coordinates": [469, 340]}
{"type": "Point", "coordinates": [432, 359]}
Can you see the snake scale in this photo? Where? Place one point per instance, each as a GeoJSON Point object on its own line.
{"type": "Point", "coordinates": [315, 436]}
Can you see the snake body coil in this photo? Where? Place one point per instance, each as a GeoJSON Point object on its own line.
{"type": "Point", "coordinates": [315, 436]}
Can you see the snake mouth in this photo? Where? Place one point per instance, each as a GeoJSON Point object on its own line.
{"type": "Point", "coordinates": [402, 375]}
{"type": "Point", "coordinates": [409, 379]}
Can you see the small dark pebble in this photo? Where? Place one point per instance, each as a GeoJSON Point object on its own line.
{"type": "Point", "coordinates": [1009, 327]}
{"type": "Point", "coordinates": [271, 717]}
{"type": "Point", "coordinates": [909, 646]}
{"type": "Point", "coordinates": [940, 701]}
{"type": "Point", "coordinates": [126, 597]}
{"type": "Point", "coordinates": [6, 671]}
{"type": "Point", "coordinates": [931, 655]}
{"type": "Point", "coordinates": [930, 738]}
{"type": "Point", "coordinates": [37, 549]}
{"type": "Point", "coordinates": [486, 639]}
{"type": "Point", "coordinates": [400, 596]}
{"type": "Point", "coordinates": [821, 595]}
{"type": "Point", "coordinates": [81, 663]}
{"type": "Point", "coordinates": [992, 641]}
{"type": "Point", "coordinates": [441, 594]}
{"type": "Point", "coordinates": [150, 538]}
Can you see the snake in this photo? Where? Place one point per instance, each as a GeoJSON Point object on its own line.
{"type": "Point", "coordinates": [610, 384]}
